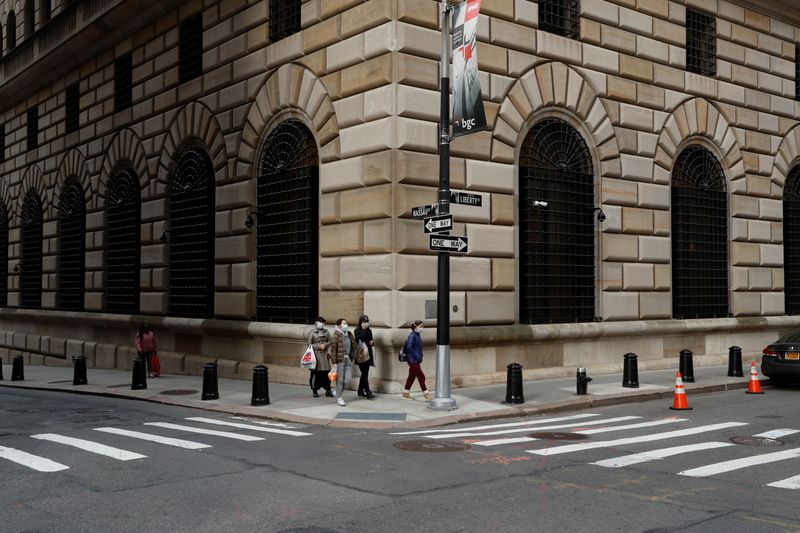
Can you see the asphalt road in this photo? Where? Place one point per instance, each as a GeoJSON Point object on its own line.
{"type": "Point", "coordinates": [316, 479]}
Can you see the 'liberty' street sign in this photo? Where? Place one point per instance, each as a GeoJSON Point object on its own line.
{"type": "Point", "coordinates": [448, 243]}
{"type": "Point", "coordinates": [466, 198]}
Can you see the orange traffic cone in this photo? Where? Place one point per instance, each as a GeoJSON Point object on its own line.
{"type": "Point", "coordinates": [754, 385]}
{"type": "Point", "coordinates": [679, 402]}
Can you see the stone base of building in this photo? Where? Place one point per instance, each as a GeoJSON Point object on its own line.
{"type": "Point", "coordinates": [479, 355]}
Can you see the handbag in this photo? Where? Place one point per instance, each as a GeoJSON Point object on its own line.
{"type": "Point", "coordinates": [155, 365]}
{"type": "Point", "coordinates": [362, 353]}
{"type": "Point", "coordinates": [348, 371]}
{"type": "Point", "coordinates": [333, 374]}
{"type": "Point", "coordinates": [402, 356]}
{"type": "Point", "coordinates": [309, 360]}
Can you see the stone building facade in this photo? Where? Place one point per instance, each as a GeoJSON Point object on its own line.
{"type": "Point", "coordinates": [226, 170]}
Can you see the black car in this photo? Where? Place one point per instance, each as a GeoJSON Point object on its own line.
{"type": "Point", "coordinates": [781, 359]}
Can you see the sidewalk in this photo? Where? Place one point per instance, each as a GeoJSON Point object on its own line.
{"type": "Point", "coordinates": [294, 403]}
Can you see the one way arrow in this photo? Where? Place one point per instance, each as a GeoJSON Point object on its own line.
{"type": "Point", "coordinates": [438, 224]}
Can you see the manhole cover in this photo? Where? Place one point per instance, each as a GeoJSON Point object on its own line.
{"type": "Point", "coordinates": [428, 446]}
{"type": "Point", "coordinates": [179, 392]}
{"type": "Point", "coordinates": [769, 416]}
{"type": "Point", "coordinates": [756, 441]}
{"type": "Point", "coordinates": [559, 436]}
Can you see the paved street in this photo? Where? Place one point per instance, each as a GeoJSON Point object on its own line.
{"type": "Point", "coordinates": [81, 463]}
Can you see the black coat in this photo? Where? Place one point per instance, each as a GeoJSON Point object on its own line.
{"type": "Point", "coordinates": [366, 336]}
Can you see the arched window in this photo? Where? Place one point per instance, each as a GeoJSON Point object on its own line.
{"type": "Point", "coordinates": [3, 256]}
{"type": "Point", "coordinates": [30, 21]}
{"type": "Point", "coordinates": [44, 11]}
{"type": "Point", "coordinates": [11, 31]}
{"type": "Point", "coordinates": [288, 226]}
{"type": "Point", "coordinates": [191, 237]}
{"type": "Point", "coordinates": [791, 241]}
{"type": "Point", "coordinates": [699, 236]}
{"type": "Point", "coordinates": [556, 236]}
{"type": "Point", "coordinates": [123, 238]}
{"type": "Point", "coordinates": [71, 247]}
{"type": "Point", "coordinates": [31, 275]}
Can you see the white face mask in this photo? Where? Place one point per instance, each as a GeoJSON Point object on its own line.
{"type": "Point", "coordinates": [319, 324]}
{"type": "Point", "coordinates": [365, 325]}
{"type": "Point", "coordinates": [343, 327]}
{"type": "Point", "coordinates": [419, 328]}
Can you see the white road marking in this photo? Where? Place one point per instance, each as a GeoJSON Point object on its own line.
{"type": "Point", "coordinates": [90, 446]}
{"type": "Point", "coordinates": [497, 426]}
{"type": "Point", "coordinates": [653, 455]}
{"type": "Point", "coordinates": [35, 462]}
{"type": "Point", "coordinates": [569, 448]}
{"type": "Point", "coordinates": [791, 483]}
{"type": "Point", "coordinates": [262, 422]}
{"type": "Point", "coordinates": [498, 442]}
{"type": "Point", "coordinates": [248, 426]}
{"type": "Point", "coordinates": [190, 429]}
{"type": "Point", "coordinates": [527, 429]}
{"type": "Point", "coordinates": [178, 443]}
{"type": "Point", "coordinates": [736, 464]}
{"type": "Point", "coordinates": [777, 433]}
{"type": "Point", "coordinates": [630, 426]}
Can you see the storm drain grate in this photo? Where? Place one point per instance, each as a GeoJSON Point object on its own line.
{"type": "Point", "coordinates": [771, 417]}
{"type": "Point", "coordinates": [428, 446]}
{"type": "Point", "coordinates": [756, 441]}
{"type": "Point", "coordinates": [59, 381]}
{"type": "Point", "coordinates": [118, 386]}
{"type": "Point", "coordinates": [558, 436]}
{"type": "Point", "coordinates": [179, 392]}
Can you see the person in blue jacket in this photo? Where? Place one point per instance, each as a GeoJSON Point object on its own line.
{"type": "Point", "coordinates": [413, 349]}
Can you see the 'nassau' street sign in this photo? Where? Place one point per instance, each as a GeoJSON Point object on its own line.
{"type": "Point", "coordinates": [423, 211]}
{"type": "Point", "coordinates": [448, 243]}
{"type": "Point", "coordinates": [438, 224]}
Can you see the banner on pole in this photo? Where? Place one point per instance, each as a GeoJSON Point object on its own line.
{"type": "Point", "coordinates": [468, 113]}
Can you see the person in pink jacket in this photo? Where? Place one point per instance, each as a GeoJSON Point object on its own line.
{"type": "Point", "coordinates": [146, 346]}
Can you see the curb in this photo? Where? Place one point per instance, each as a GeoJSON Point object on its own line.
{"type": "Point", "coordinates": [506, 412]}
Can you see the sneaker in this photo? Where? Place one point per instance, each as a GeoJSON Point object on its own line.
{"type": "Point", "coordinates": [340, 401]}
{"type": "Point", "coordinates": [427, 395]}
{"type": "Point", "coordinates": [406, 395]}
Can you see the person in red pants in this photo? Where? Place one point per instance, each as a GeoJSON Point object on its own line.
{"type": "Point", "coordinates": [413, 349]}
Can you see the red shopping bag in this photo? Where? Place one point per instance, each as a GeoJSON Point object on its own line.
{"type": "Point", "coordinates": [155, 365]}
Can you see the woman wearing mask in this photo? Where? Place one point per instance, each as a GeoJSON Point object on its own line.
{"type": "Point", "coordinates": [320, 339]}
{"type": "Point", "coordinates": [413, 349]}
{"type": "Point", "coordinates": [364, 334]}
{"type": "Point", "coordinates": [342, 352]}
{"type": "Point", "coordinates": [146, 346]}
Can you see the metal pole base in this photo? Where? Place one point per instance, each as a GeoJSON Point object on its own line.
{"type": "Point", "coordinates": [442, 400]}
{"type": "Point", "coordinates": [443, 404]}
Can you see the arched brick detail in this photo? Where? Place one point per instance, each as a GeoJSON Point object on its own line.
{"type": "Point", "coordinates": [787, 157]}
{"type": "Point", "coordinates": [7, 195]}
{"type": "Point", "coordinates": [697, 118]}
{"type": "Point", "coordinates": [34, 179]}
{"type": "Point", "coordinates": [556, 86]}
{"type": "Point", "coordinates": [291, 87]}
{"type": "Point", "coordinates": [73, 165]}
{"type": "Point", "coordinates": [125, 147]}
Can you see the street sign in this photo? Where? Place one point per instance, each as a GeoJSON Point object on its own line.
{"type": "Point", "coordinates": [466, 198]}
{"type": "Point", "coordinates": [423, 211]}
{"type": "Point", "coordinates": [438, 224]}
{"type": "Point", "coordinates": [448, 243]}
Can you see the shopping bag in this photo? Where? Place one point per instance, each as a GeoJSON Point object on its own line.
{"type": "Point", "coordinates": [155, 365]}
{"type": "Point", "coordinates": [332, 375]}
{"type": "Point", "coordinates": [348, 371]}
{"type": "Point", "coordinates": [309, 360]}
{"type": "Point", "coordinates": [362, 353]}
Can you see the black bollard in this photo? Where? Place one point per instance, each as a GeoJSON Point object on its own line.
{"type": "Point", "coordinates": [514, 384]}
{"type": "Point", "coordinates": [686, 365]}
{"type": "Point", "coordinates": [210, 389]}
{"type": "Point", "coordinates": [582, 381]}
{"type": "Point", "coordinates": [1, 370]}
{"type": "Point", "coordinates": [735, 362]}
{"type": "Point", "coordinates": [260, 386]}
{"type": "Point", "coordinates": [630, 372]}
{"type": "Point", "coordinates": [79, 377]}
{"type": "Point", "coordinates": [17, 370]}
{"type": "Point", "coordinates": [139, 380]}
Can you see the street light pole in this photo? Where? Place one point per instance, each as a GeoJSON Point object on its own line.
{"type": "Point", "coordinates": [442, 400]}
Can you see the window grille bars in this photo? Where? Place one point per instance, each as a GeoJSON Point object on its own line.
{"type": "Point", "coordinates": [123, 238]}
{"type": "Point", "coordinates": [73, 110]}
{"type": "Point", "coordinates": [33, 127]}
{"type": "Point", "coordinates": [699, 236]}
{"type": "Point", "coordinates": [561, 17]}
{"type": "Point", "coordinates": [71, 248]}
{"type": "Point", "coordinates": [701, 43]}
{"type": "Point", "coordinates": [797, 72]}
{"type": "Point", "coordinates": [287, 273]}
{"type": "Point", "coordinates": [2, 142]}
{"type": "Point", "coordinates": [791, 241]}
{"type": "Point", "coordinates": [190, 49]}
{"type": "Point", "coordinates": [557, 242]}
{"type": "Point", "coordinates": [123, 83]}
{"type": "Point", "coordinates": [284, 18]}
{"type": "Point", "coordinates": [4, 255]}
{"type": "Point", "coordinates": [31, 275]}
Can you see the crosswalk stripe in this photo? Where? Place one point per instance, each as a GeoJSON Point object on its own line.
{"type": "Point", "coordinates": [630, 426]}
{"type": "Point", "coordinates": [249, 426]}
{"type": "Point", "coordinates": [35, 462]}
{"type": "Point", "coordinates": [538, 428]}
{"type": "Point", "coordinates": [736, 464]}
{"type": "Point", "coordinates": [792, 483]}
{"type": "Point", "coordinates": [90, 446]}
{"type": "Point", "coordinates": [498, 426]}
{"type": "Point", "coordinates": [498, 442]}
{"type": "Point", "coordinates": [777, 433]}
{"type": "Point", "coordinates": [569, 448]}
{"type": "Point", "coordinates": [178, 443]}
{"type": "Point", "coordinates": [653, 455]}
{"type": "Point", "coordinates": [191, 429]}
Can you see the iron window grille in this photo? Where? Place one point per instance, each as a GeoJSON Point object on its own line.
{"type": "Point", "coordinates": [4, 255]}
{"type": "Point", "coordinates": [71, 247]}
{"type": "Point", "coordinates": [30, 21]}
{"type": "Point", "coordinates": [11, 31]}
{"type": "Point", "coordinates": [123, 83]}
{"type": "Point", "coordinates": [287, 273]}
{"type": "Point", "coordinates": [797, 72]}
{"type": "Point", "coordinates": [791, 241]}
{"type": "Point", "coordinates": [2, 142]}
{"type": "Point", "coordinates": [190, 49]}
{"type": "Point", "coordinates": [556, 242]}
{"type": "Point", "coordinates": [123, 238]}
{"type": "Point", "coordinates": [191, 238]}
{"type": "Point", "coordinates": [561, 17]}
{"type": "Point", "coordinates": [284, 18]}
{"type": "Point", "coordinates": [44, 11]}
{"type": "Point", "coordinates": [699, 236]}
{"type": "Point", "coordinates": [73, 108]}
{"type": "Point", "coordinates": [33, 128]}
{"type": "Point", "coordinates": [701, 42]}
{"type": "Point", "coordinates": [31, 275]}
